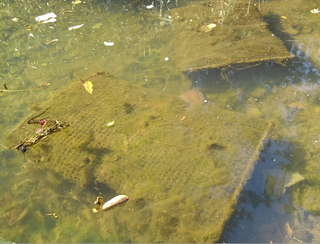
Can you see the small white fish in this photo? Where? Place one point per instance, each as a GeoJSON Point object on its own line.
{"type": "Point", "coordinates": [116, 201]}
{"type": "Point", "coordinates": [75, 27]}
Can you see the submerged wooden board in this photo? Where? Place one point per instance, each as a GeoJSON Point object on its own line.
{"type": "Point", "coordinates": [185, 175]}
{"type": "Point", "coordinates": [240, 36]}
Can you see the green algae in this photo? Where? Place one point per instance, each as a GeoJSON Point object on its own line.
{"type": "Point", "coordinates": [185, 170]}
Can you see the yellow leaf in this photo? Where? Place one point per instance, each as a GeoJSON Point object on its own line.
{"type": "Point", "coordinates": [88, 86]}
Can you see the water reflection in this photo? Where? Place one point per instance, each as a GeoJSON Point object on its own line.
{"type": "Point", "coordinates": [267, 212]}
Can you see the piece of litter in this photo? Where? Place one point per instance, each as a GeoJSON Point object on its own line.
{"type": "Point", "coordinates": [110, 123]}
{"type": "Point", "coordinates": [166, 59]}
{"type": "Point", "coordinates": [50, 17]}
{"type": "Point", "coordinates": [15, 19]}
{"type": "Point", "coordinates": [315, 11]}
{"type": "Point", "coordinates": [75, 27]}
{"type": "Point", "coordinates": [108, 43]}
{"type": "Point", "coordinates": [31, 35]}
{"type": "Point", "coordinates": [54, 40]}
{"type": "Point", "coordinates": [150, 6]}
{"type": "Point", "coordinates": [211, 26]}
{"type": "Point", "coordinates": [49, 20]}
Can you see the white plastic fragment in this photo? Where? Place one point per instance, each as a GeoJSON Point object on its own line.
{"type": "Point", "coordinates": [116, 201]}
{"type": "Point", "coordinates": [49, 20]}
{"type": "Point", "coordinates": [75, 27]}
{"type": "Point", "coordinates": [315, 11]}
{"type": "Point", "coordinates": [50, 17]}
{"type": "Point", "coordinates": [166, 59]}
{"type": "Point", "coordinates": [150, 6]}
{"type": "Point", "coordinates": [15, 19]}
{"type": "Point", "coordinates": [108, 44]}
{"type": "Point", "coordinates": [211, 26]}
{"type": "Point", "coordinates": [110, 123]}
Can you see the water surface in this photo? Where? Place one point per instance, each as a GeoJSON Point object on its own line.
{"type": "Point", "coordinates": [288, 96]}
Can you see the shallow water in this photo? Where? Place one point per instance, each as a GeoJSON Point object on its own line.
{"type": "Point", "coordinates": [288, 96]}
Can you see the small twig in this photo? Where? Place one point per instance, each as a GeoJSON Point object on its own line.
{"type": "Point", "coordinates": [165, 85]}
{"type": "Point", "coordinates": [27, 89]}
{"type": "Point", "coordinates": [170, 144]}
{"type": "Point", "coordinates": [54, 40]}
{"type": "Point", "coordinates": [31, 120]}
{"type": "Point", "coordinates": [170, 20]}
{"type": "Point", "coordinates": [3, 147]}
{"type": "Point", "coordinates": [278, 229]}
{"type": "Point", "coordinates": [248, 7]}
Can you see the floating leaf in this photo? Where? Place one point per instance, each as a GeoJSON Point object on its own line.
{"type": "Point", "coordinates": [88, 86]}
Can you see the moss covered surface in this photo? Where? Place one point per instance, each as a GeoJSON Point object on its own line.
{"type": "Point", "coordinates": [239, 37]}
{"type": "Point", "coordinates": [182, 175]}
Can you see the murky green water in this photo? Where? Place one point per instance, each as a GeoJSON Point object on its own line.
{"type": "Point", "coordinates": [142, 54]}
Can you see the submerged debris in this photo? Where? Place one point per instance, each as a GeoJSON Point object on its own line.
{"type": "Point", "coordinates": [193, 97]}
{"type": "Point", "coordinates": [287, 230]}
{"type": "Point", "coordinates": [54, 215]}
{"type": "Point", "coordinates": [315, 11]}
{"type": "Point", "coordinates": [27, 89]}
{"type": "Point", "coordinates": [114, 202]}
{"type": "Point", "coordinates": [50, 17]}
{"type": "Point", "coordinates": [75, 27]}
{"type": "Point", "coordinates": [110, 123]}
{"type": "Point", "coordinates": [49, 127]}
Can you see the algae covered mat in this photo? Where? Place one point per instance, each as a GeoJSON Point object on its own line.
{"type": "Point", "coordinates": [214, 34]}
{"type": "Point", "coordinates": [182, 166]}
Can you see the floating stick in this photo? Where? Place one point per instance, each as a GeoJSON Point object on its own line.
{"type": "Point", "coordinates": [26, 89]}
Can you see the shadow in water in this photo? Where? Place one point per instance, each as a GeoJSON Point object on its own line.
{"type": "Point", "coordinates": [265, 210]}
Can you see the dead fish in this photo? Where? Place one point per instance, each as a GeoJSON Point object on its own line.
{"type": "Point", "coordinates": [116, 201]}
